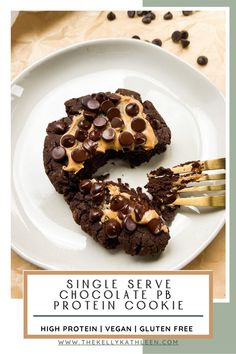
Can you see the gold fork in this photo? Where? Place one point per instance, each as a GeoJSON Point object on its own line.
{"type": "Point", "coordinates": [192, 172]}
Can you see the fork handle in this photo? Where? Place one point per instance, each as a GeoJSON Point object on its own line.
{"type": "Point", "coordinates": [215, 201]}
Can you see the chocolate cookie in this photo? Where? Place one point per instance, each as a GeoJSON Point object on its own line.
{"type": "Point", "coordinates": [117, 216]}
{"type": "Point", "coordinates": [100, 127]}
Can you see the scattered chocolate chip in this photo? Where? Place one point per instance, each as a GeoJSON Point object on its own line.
{"type": "Point", "coordinates": [68, 140]}
{"type": "Point", "coordinates": [85, 124]}
{"type": "Point", "coordinates": [101, 96]}
{"type": "Point", "coordinates": [202, 60]}
{"type": "Point", "coordinates": [131, 14]}
{"type": "Point", "coordinates": [89, 115]}
{"type": "Point", "coordinates": [117, 122]}
{"type": "Point", "coordinates": [176, 36]}
{"type": "Point", "coordinates": [81, 135]}
{"type": "Point", "coordinates": [132, 109]}
{"type": "Point", "coordinates": [139, 212]}
{"type": "Point", "coordinates": [89, 145]}
{"type": "Point", "coordinates": [154, 225]}
{"type": "Point", "coordinates": [58, 153]}
{"type": "Point", "coordinates": [140, 139]}
{"type": "Point", "coordinates": [185, 43]}
{"type": "Point", "coordinates": [85, 186]}
{"type": "Point", "coordinates": [151, 15]}
{"type": "Point", "coordinates": [187, 13]}
{"type": "Point", "coordinates": [96, 188]}
{"type": "Point", "coordinates": [93, 104]}
{"type": "Point", "coordinates": [100, 122]}
{"type": "Point", "coordinates": [113, 97]}
{"type": "Point", "coordinates": [126, 209]}
{"type": "Point", "coordinates": [111, 16]}
{"type": "Point", "coordinates": [146, 19]}
{"type": "Point", "coordinates": [140, 13]}
{"type": "Point", "coordinates": [95, 214]}
{"type": "Point", "coordinates": [184, 34]}
{"type": "Point", "coordinates": [168, 16]}
{"type": "Point", "coordinates": [106, 105]}
{"type": "Point", "coordinates": [129, 224]}
{"type": "Point", "coordinates": [117, 202]}
{"type": "Point", "coordinates": [108, 134]}
{"type": "Point", "coordinates": [136, 37]}
{"type": "Point", "coordinates": [79, 155]}
{"type": "Point", "coordinates": [95, 135]}
{"type": "Point", "coordinates": [126, 139]}
{"type": "Point", "coordinates": [157, 41]}
{"type": "Point", "coordinates": [113, 112]}
{"type": "Point", "coordinates": [59, 128]}
{"type": "Point", "coordinates": [138, 124]}
{"type": "Point", "coordinates": [112, 228]}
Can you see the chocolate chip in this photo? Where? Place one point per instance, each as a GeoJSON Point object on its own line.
{"type": "Point", "coordinates": [113, 97]}
{"type": "Point", "coordinates": [154, 225]}
{"type": "Point", "coordinates": [59, 128]}
{"type": "Point", "coordinates": [85, 124]}
{"type": "Point", "coordinates": [111, 16]}
{"type": "Point", "coordinates": [187, 13]}
{"type": "Point", "coordinates": [168, 16]}
{"type": "Point", "coordinates": [139, 212]}
{"type": "Point", "coordinates": [95, 214]}
{"type": "Point", "coordinates": [176, 36]}
{"type": "Point", "coordinates": [81, 135]}
{"type": "Point", "coordinates": [58, 153]}
{"type": "Point", "coordinates": [100, 122]}
{"type": "Point", "coordinates": [146, 19]}
{"type": "Point", "coordinates": [89, 145]}
{"type": "Point", "coordinates": [97, 188]}
{"type": "Point", "coordinates": [117, 122]}
{"type": "Point", "coordinates": [152, 15]}
{"type": "Point", "coordinates": [140, 139]}
{"type": "Point", "coordinates": [79, 155]}
{"type": "Point", "coordinates": [93, 104]}
{"type": "Point", "coordinates": [184, 34]}
{"type": "Point", "coordinates": [140, 13]}
{"type": "Point", "coordinates": [68, 140]}
{"type": "Point", "coordinates": [85, 100]}
{"type": "Point", "coordinates": [101, 96]}
{"type": "Point", "coordinates": [129, 224]}
{"type": "Point", "coordinates": [126, 139]}
{"type": "Point", "coordinates": [95, 135]}
{"type": "Point", "coordinates": [126, 209]}
{"type": "Point", "coordinates": [106, 105]}
{"type": "Point", "coordinates": [108, 134]}
{"type": "Point", "coordinates": [98, 197]}
{"type": "Point", "coordinates": [113, 112]}
{"type": "Point", "coordinates": [89, 115]}
{"type": "Point", "coordinates": [112, 228]}
{"type": "Point", "coordinates": [136, 37]}
{"type": "Point", "coordinates": [138, 124]}
{"type": "Point", "coordinates": [157, 41]}
{"type": "Point", "coordinates": [117, 202]}
{"type": "Point", "coordinates": [85, 186]}
{"type": "Point", "coordinates": [202, 60]}
{"type": "Point", "coordinates": [185, 43]}
{"type": "Point", "coordinates": [132, 109]}
{"type": "Point", "coordinates": [131, 14]}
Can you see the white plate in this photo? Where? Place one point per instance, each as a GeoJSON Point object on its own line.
{"type": "Point", "coordinates": [43, 230]}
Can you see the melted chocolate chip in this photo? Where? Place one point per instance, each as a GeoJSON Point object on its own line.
{"type": "Point", "coordinates": [95, 135]}
{"type": "Point", "coordinates": [95, 214]}
{"type": "Point", "coordinates": [59, 128]}
{"type": "Point", "coordinates": [139, 211]}
{"type": "Point", "coordinates": [126, 209]}
{"type": "Point", "coordinates": [140, 139]}
{"type": "Point", "coordinates": [126, 139]}
{"type": "Point", "coordinates": [129, 224]}
{"type": "Point", "coordinates": [100, 122]}
{"type": "Point", "coordinates": [112, 228]}
{"type": "Point", "coordinates": [108, 134]}
{"type": "Point", "coordinates": [154, 225]}
{"type": "Point", "coordinates": [68, 140]}
{"type": "Point", "coordinates": [117, 202]}
{"type": "Point", "coordinates": [93, 104]}
{"type": "Point", "coordinates": [96, 188]}
{"type": "Point", "coordinates": [58, 153]}
{"type": "Point", "coordinates": [168, 16]}
{"type": "Point", "coordinates": [85, 186]}
{"type": "Point", "coordinates": [113, 112]}
{"type": "Point", "coordinates": [176, 36]}
{"type": "Point", "coordinates": [132, 109]}
{"type": "Point", "coordinates": [138, 124]}
{"type": "Point", "coordinates": [117, 122]}
{"type": "Point", "coordinates": [81, 135]}
{"type": "Point", "coordinates": [106, 105]}
{"type": "Point", "coordinates": [98, 197]}
{"type": "Point", "coordinates": [85, 124]}
{"type": "Point", "coordinates": [89, 145]}
{"type": "Point", "coordinates": [79, 155]}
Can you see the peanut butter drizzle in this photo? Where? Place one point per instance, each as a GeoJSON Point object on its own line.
{"type": "Point", "coordinates": [103, 145]}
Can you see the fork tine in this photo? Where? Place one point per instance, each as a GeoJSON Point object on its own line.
{"type": "Point", "coordinates": [216, 201]}
{"type": "Point", "coordinates": [217, 187]}
{"type": "Point", "coordinates": [216, 164]}
{"type": "Point", "coordinates": [206, 177]}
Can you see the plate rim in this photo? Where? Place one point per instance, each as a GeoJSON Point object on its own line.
{"type": "Point", "coordinates": [112, 41]}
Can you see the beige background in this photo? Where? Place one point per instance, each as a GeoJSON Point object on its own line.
{"type": "Point", "coordinates": [37, 34]}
